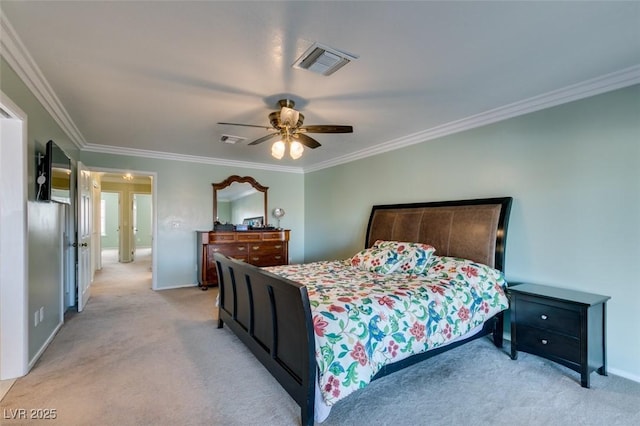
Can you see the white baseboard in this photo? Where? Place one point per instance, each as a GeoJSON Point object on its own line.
{"type": "Point", "coordinates": [45, 345]}
{"type": "Point", "coordinates": [176, 286]}
{"type": "Point", "coordinates": [5, 385]}
{"type": "Point", "coordinates": [623, 374]}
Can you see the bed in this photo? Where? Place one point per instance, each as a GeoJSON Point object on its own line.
{"type": "Point", "coordinates": [294, 318]}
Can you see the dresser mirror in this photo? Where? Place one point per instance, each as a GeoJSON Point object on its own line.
{"type": "Point", "coordinates": [240, 200]}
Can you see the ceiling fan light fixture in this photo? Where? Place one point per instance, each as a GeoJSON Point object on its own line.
{"type": "Point", "coordinates": [289, 117]}
{"type": "Point", "coordinates": [277, 150]}
{"type": "Point", "coordinates": [295, 150]}
{"type": "Point", "coordinates": [323, 59]}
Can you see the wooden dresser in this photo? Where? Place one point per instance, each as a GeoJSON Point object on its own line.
{"type": "Point", "coordinates": [260, 248]}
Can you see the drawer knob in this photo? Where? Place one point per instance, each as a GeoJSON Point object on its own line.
{"type": "Point", "coordinates": [543, 316]}
{"type": "Point", "coordinates": [240, 248]}
{"type": "Point", "coordinates": [278, 257]}
{"type": "Point", "coordinates": [544, 341]}
{"type": "Point", "coordinates": [278, 246]}
{"type": "Point", "coordinates": [256, 247]}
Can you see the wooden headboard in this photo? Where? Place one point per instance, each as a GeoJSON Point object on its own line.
{"type": "Point", "coordinates": [472, 229]}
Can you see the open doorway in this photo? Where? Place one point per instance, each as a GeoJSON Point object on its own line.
{"type": "Point", "coordinates": [124, 221]}
{"type": "Point", "coordinates": [126, 217]}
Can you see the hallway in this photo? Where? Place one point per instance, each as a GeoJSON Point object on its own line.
{"type": "Point", "coordinates": [115, 275]}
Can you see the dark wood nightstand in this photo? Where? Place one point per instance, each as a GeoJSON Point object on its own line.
{"type": "Point", "coordinates": [565, 326]}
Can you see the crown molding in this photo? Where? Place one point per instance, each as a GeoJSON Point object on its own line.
{"type": "Point", "coordinates": [107, 149]}
{"type": "Point", "coordinates": [16, 54]}
{"type": "Point", "coordinates": [18, 57]}
{"type": "Point", "coordinates": [595, 86]}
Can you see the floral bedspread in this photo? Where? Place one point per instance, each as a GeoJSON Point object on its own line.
{"type": "Point", "coordinates": [364, 320]}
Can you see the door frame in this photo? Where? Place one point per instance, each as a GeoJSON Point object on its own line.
{"type": "Point", "coordinates": [154, 213]}
{"type": "Point", "coordinates": [134, 216]}
{"type": "Point", "coordinates": [14, 344]}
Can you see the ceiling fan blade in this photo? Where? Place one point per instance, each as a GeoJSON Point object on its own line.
{"type": "Point", "coordinates": [306, 140]}
{"type": "Point", "coordinates": [246, 125]}
{"type": "Point", "coordinates": [264, 138]}
{"type": "Point", "coordinates": [327, 128]}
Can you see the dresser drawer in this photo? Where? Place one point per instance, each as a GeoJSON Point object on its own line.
{"type": "Point", "coordinates": [249, 236]}
{"type": "Point", "coordinates": [267, 259]}
{"type": "Point", "coordinates": [233, 249]}
{"type": "Point", "coordinates": [215, 237]}
{"type": "Point", "coordinates": [265, 248]}
{"type": "Point", "coordinates": [545, 343]}
{"type": "Point", "coordinates": [260, 248]}
{"type": "Point", "coordinates": [273, 236]}
{"type": "Point", "coordinates": [549, 318]}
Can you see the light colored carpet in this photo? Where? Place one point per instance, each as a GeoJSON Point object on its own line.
{"type": "Point", "coordinates": [138, 357]}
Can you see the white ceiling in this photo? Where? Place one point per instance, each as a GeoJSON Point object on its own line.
{"type": "Point", "coordinates": [158, 76]}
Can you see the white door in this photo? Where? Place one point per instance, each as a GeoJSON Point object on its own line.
{"type": "Point", "coordinates": [85, 220]}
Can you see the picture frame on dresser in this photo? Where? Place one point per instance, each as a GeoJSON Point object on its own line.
{"type": "Point", "coordinates": [255, 222]}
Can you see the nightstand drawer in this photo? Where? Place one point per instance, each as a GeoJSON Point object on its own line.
{"type": "Point", "coordinates": [545, 343]}
{"type": "Point", "coordinates": [549, 318]}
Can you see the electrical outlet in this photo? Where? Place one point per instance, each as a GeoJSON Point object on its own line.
{"type": "Point", "coordinates": [41, 313]}
{"type": "Point", "coordinates": [36, 318]}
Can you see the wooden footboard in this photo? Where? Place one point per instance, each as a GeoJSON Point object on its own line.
{"type": "Point", "coordinates": [272, 317]}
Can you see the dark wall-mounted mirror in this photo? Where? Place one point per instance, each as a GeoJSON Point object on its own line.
{"type": "Point", "coordinates": [240, 200]}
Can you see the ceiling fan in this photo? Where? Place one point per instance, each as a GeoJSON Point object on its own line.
{"type": "Point", "coordinates": [287, 123]}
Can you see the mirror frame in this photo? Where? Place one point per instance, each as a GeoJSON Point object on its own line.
{"type": "Point", "coordinates": [240, 179]}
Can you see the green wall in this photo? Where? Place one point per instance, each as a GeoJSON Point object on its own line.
{"type": "Point", "coordinates": [144, 216]}
{"type": "Point", "coordinates": [574, 173]}
{"type": "Point", "coordinates": [43, 290]}
{"type": "Point", "coordinates": [110, 238]}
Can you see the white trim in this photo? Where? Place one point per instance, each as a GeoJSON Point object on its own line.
{"type": "Point", "coordinates": [5, 386]}
{"type": "Point", "coordinates": [44, 347]}
{"type": "Point", "coordinates": [14, 273]}
{"type": "Point", "coordinates": [134, 152]}
{"type": "Point", "coordinates": [177, 286]}
{"type": "Point", "coordinates": [623, 373]}
{"type": "Point", "coordinates": [18, 57]}
{"type": "Point", "coordinates": [595, 86]}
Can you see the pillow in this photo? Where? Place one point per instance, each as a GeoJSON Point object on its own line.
{"type": "Point", "coordinates": [417, 255]}
{"type": "Point", "coordinates": [381, 261]}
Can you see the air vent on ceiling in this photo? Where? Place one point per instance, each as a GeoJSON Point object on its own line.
{"type": "Point", "coordinates": [230, 139]}
{"type": "Point", "coordinates": [323, 60]}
